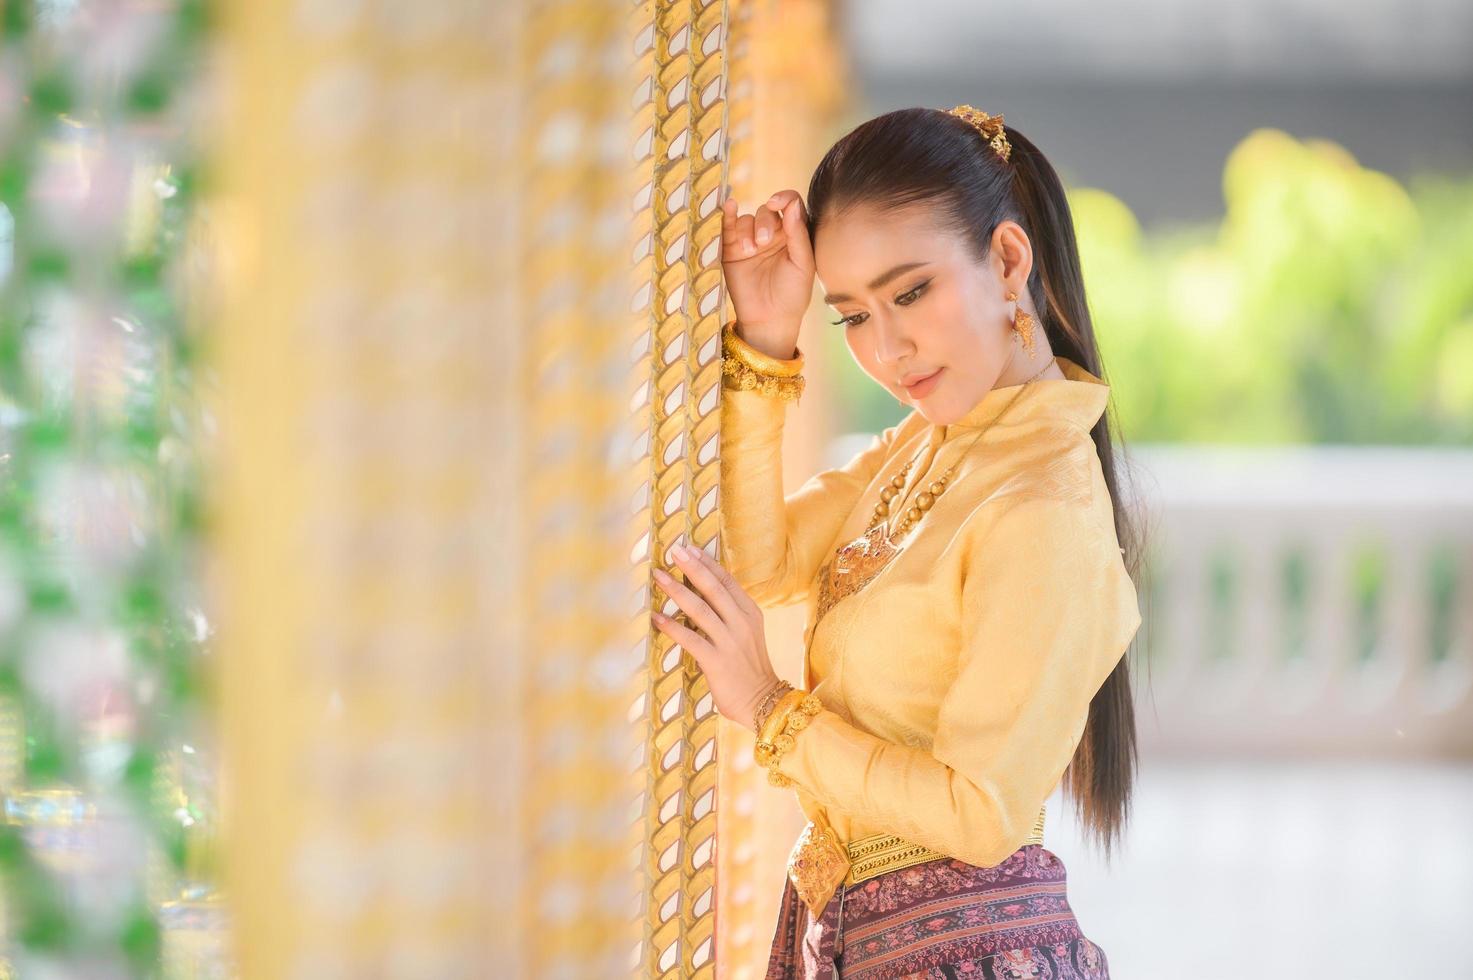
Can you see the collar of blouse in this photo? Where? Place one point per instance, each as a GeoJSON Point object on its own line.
{"type": "Point", "coordinates": [1078, 398]}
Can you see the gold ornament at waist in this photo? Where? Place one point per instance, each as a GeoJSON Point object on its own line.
{"type": "Point", "coordinates": [818, 863]}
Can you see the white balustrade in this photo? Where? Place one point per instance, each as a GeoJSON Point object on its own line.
{"type": "Point", "coordinates": [1292, 605]}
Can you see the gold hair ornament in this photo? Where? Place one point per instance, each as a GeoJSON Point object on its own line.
{"type": "Point", "coordinates": [989, 126]}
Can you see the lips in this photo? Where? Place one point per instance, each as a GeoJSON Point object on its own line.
{"type": "Point", "coordinates": [911, 380]}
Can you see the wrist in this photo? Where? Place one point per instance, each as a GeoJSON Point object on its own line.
{"type": "Point", "coordinates": [764, 701]}
{"type": "Point", "coordinates": [768, 340]}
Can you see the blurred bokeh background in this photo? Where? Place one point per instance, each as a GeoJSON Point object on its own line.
{"type": "Point", "coordinates": [356, 277]}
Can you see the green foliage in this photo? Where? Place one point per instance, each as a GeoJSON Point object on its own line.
{"type": "Point", "coordinates": [1331, 304]}
{"type": "Point", "coordinates": [128, 428]}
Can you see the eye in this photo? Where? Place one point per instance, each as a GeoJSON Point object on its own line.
{"type": "Point", "coordinates": [913, 294]}
{"type": "Point", "coordinates": [904, 299]}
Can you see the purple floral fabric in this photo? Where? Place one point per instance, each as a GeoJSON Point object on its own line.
{"type": "Point", "coordinates": [941, 919]}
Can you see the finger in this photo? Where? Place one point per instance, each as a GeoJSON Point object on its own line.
{"type": "Point", "coordinates": [795, 226]}
{"type": "Point", "coordinates": [737, 236]}
{"type": "Point", "coordinates": [785, 199]}
{"type": "Point", "coordinates": [768, 224]}
{"type": "Point", "coordinates": [736, 231]}
{"type": "Point", "coordinates": [698, 569]}
{"type": "Point", "coordinates": [689, 639]}
{"type": "Point", "coordinates": [782, 199]}
{"type": "Point", "coordinates": [732, 586]}
{"type": "Point", "coordinates": [729, 217]}
{"type": "Point", "coordinates": [692, 604]}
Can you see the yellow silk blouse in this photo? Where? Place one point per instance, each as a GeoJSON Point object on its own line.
{"type": "Point", "coordinates": [956, 684]}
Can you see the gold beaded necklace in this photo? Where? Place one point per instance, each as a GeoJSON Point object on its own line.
{"type": "Point", "coordinates": [856, 563]}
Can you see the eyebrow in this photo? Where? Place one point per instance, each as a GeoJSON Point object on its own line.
{"type": "Point", "coordinates": [879, 281]}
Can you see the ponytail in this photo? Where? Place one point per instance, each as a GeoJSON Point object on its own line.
{"type": "Point", "coordinates": [1101, 776]}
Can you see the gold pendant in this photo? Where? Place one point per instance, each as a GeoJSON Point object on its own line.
{"type": "Point", "coordinates": [854, 566]}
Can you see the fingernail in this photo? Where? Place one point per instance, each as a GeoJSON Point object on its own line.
{"type": "Point", "coordinates": [763, 235]}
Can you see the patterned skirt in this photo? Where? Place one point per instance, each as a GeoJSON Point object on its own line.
{"type": "Point", "coordinates": [943, 918]}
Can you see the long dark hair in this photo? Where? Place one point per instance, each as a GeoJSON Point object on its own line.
{"type": "Point", "coordinates": [930, 157]}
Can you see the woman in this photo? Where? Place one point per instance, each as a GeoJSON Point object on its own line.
{"type": "Point", "coordinates": [969, 601]}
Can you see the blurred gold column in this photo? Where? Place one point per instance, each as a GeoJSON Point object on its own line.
{"type": "Point", "coordinates": [429, 626]}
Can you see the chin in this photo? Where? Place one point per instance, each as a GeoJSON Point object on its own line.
{"type": "Point", "coordinates": [933, 415]}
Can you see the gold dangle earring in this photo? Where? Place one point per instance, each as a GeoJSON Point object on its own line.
{"type": "Point", "coordinates": [1023, 324]}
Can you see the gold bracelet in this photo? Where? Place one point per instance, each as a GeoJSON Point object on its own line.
{"type": "Point", "coordinates": [793, 712]}
{"type": "Point", "coordinates": [745, 368]}
{"type": "Point", "coordinates": [768, 702]}
{"type": "Point", "coordinates": [736, 376]}
{"type": "Point", "coordinates": [778, 716]}
{"type": "Point", "coordinates": [778, 367]}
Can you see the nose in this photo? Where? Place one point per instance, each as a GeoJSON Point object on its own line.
{"type": "Point", "coordinates": [892, 342]}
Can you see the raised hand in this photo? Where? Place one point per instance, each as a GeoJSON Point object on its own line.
{"type": "Point", "coordinates": [767, 261]}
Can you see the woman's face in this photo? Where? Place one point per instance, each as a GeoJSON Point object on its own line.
{"type": "Point", "coordinates": [917, 303]}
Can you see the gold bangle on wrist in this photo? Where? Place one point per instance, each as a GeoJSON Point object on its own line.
{"type": "Point", "coordinates": [778, 716]}
{"type": "Point", "coordinates": [768, 702]}
{"type": "Point", "coordinates": [745, 368]}
{"type": "Point", "coordinates": [777, 367]}
{"type": "Point", "coordinates": [794, 710]}
{"type": "Point", "coordinates": [736, 376]}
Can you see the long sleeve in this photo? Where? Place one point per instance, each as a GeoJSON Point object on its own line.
{"type": "Point", "coordinates": [773, 544]}
{"type": "Point", "coordinates": [1047, 608]}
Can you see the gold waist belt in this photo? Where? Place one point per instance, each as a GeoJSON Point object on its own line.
{"type": "Point", "coordinates": [818, 864]}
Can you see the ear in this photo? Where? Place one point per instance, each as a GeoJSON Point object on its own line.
{"type": "Point", "coordinates": [1012, 257]}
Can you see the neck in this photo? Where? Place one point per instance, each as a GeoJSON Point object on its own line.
{"type": "Point", "coordinates": [1021, 368]}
